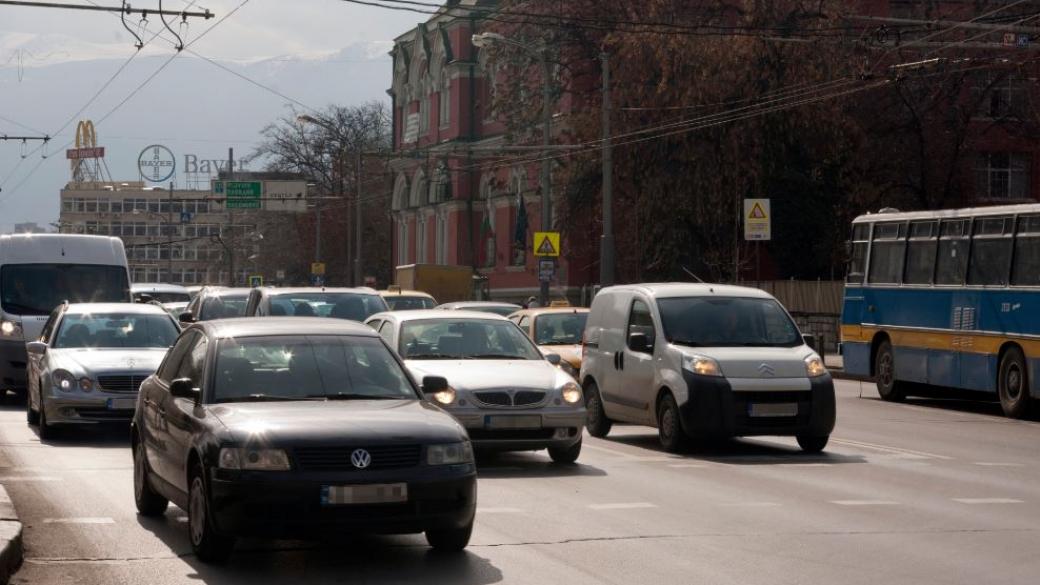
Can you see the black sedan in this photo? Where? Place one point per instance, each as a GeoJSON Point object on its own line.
{"type": "Point", "coordinates": [298, 428]}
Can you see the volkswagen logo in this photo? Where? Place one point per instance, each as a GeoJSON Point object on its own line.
{"type": "Point", "coordinates": [360, 458]}
{"type": "Point", "coordinates": [767, 370]}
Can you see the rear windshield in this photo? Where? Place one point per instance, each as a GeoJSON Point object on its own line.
{"type": "Point", "coordinates": [223, 307]}
{"type": "Point", "coordinates": [559, 328]}
{"type": "Point", "coordinates": [469, 339]}
{"type": "Point", "coordinates": [165, 297]}
{"type": "Point", "coordinates": [399, 303]}
{"type": "Point", "coordinates": [351, 306]}
{"type": "Point", "coordinates": [503, 310]}
{"type": "Point", "coordinates": [108, 330]}
{"type": "Point", "coordinates": [727, 322]}
{"type": "Point", "coordinates": [35, 289]}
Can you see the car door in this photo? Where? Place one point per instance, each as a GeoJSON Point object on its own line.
{"type": "Point", "coordinates": [179, 413]}
{"type": "Point", "coordinates": [154, 400]}
{"type": "Point", "coordinates": [636, 366]}
{"type": "Point", "coordinates": [36, 365]}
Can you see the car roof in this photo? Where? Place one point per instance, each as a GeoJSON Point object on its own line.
{"type": "Point", "coordinates": [430, 314]}
{"type": "Point", "coordinates": [401, 293]}
{"type": "Point", "coordinates": [156, 287]}
{"type": "Point", "coordinates": [315, 290]}
{"type": "Point", "coordinates": [137, 308]}
{"type": "Point", "coordinates": [478, 304]}
{"type": "Point", "coordinates": [222, 291]}
{"type": "Point", "coordinates": [275, 326]}
{"type": "Point", "coordinates": [689, 289]}
{"type": "Point", "coordinates": [549, 310]}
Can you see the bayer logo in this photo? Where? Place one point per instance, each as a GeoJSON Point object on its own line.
{"type": "Point", "coordinates": [156, 163]}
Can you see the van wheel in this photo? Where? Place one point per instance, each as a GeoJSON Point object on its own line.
{"type": "Point", "coordinates": [812, 444]}
{"type": "Point", "coordinates": [1013, 384]}
{"type": "Point", "coordinates": [669, 426]}
{"type": "Point", "coordinates": [596, 420]}
{"type": "Point", "coordinates": [451, 540]}
{"type": "Point", "coordinates": [888, 387]}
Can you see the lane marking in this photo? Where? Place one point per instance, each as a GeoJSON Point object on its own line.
{"type": "Point", "coordinates": [614, 452]}
{"type": "Point", "coordinates": [29, 478]}
{"type": "Point", "coordinates": [987, 501]}
{"type": "Point", "coordinates": [752, 505]}
{"type": "Point", "coordinates": [808, 465]}
{"type": "Point", "coordinates": [888, 449]}
{"type": "Point", "coordinates": [864, 502]}
{"type": "Point", "coordinates": [78, 521]}
{"type": "Point", "coordinates": [499, 511]}
{"type": "Point", "coordinates": [623, 506]}
{"type": "Point", "coordinates": [997, 464]}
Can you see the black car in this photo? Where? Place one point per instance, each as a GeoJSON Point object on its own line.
{"type": "Point", "coordinates": [216, 302]}
{"type": "Point", "coordinates": [298, 428]}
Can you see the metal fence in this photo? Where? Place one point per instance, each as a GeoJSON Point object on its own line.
{"type": "Point", "coordinates": [815, 306]}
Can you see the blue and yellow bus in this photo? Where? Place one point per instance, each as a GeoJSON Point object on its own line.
{"type": "Point", "coordinates": [946, 298]}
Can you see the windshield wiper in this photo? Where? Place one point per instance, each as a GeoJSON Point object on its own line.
{"type": "Point", "coordinates": [495, 356]}
{"type": "Point", "coordinates": [354, 396]}
{"type": "Point", "coordinates": [560, 343]}
{"type": "Point", "coordinates": [431, 356]}
{"type": "Point", "coordinates": [269, 398]}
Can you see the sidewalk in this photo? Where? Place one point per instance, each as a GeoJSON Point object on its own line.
{"type": "Point", "coordinates": [10, 538]}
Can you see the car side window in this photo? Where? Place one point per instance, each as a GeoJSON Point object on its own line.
{"type": "Point", "coordinates": [376, 324]}
{"type": "Point", "coordinates": [387, 331]}
{"type": "Point", "coordinates": [168, 369]}
{"type": "Point", "coordinates": [525, 324]}
{"type": "Point", "coordinates": [194, 361]}
{"type": "Point", "coordinates": [48, 327]}
{"type": "Point", "coordinates": [640, 320]}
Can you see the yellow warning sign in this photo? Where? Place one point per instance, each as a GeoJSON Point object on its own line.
{"type": "Point", "coordinates": [547, 244]}
{"type": "Point", "coordinates": [757, 224]}
{"type": "Point", "coordinates": [757, 212]}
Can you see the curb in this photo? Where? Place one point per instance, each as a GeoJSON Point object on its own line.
{"type": "Point", "coordinates": [10, 538]}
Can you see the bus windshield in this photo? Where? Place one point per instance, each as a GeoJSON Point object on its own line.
{"type": "Point", "coordinates": [35, 289]}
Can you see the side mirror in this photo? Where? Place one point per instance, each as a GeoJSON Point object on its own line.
{"type": "Point", "coordinates": [553, 358]}
{"type": "Point", "coordinates": [434, 384]}
{"type": "Point", "coordinates": [36, 347]}
{"type": "Point", "coordinates": [184, 388]}
{"type": "Point", "coordinates": [186, 317]}
{"type": "Point", "coordinates": [639, 343]}
{"type": "Point", "coordinates": [810, 340]}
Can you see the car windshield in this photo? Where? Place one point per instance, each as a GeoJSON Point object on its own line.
{"type": "Point", "coordinates": [223, 307]}
{"type": "Point", "coordinates": [307, 368]}
{"type": "Point", "coordinates": [164, 297]}
{"type": "Point", "coordinates": [446, 339]}
{"type": "Point", "coordinates": [351, 306]}
{"type": "Point", "coordinates": [559, 328]}
{"type": "Point", "coordinates": [111, 330]}
{"type": "Point", "coordinates": [727, 322]}
{"type": "Point", "coordinates": [400, 303]}
{"type": "Point", "coordinates": [502, 310]}
{"type": "Point", "coordinates": [35, 289]}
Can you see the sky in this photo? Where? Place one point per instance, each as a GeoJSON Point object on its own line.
{"type": "Point", "coordinates": [52, 61]}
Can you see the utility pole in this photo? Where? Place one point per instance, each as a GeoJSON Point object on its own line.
{"type": "Point", "coordinates": [357, 219]}
{"type": "Point", "coordinates": [546, 142]}
{"type": "Point", "coordinates": [231, 220]}
{"type": "Point", "coordinates": [606, 245]}
{"type": "Point", "coordinates": [169, 237]}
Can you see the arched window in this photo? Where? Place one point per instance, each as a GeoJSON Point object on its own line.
{"type": "Point", "coordinates": [441, 234]}
{"type": "Point", "coordinates": [420, 190]}
{"type": "Point", "coordinates": [420, 239]}
{"type": "Point", "coordinates": [487, 227]}
{"type": "Point", "coordinates": [402, 241]}
{"type": "Point", "coordinates": [400, 198]}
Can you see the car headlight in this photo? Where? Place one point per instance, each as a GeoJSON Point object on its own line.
{"type": "Point", "coordinates": [64, 380]}
{"type": "Point", "coordinates": [449, 454]}
{"type": "Point", "coordinates": [10, 329]}
{"type": "Point", "coordinates": [571, 393]}
{"type": "Point", "coordinates": [702, 366]}
{"type": "Point", "coordinates": [814, 366]}
{"type": "Point", "coordinates": [445, 397]}
{"type": "Point", "coordinates": [254, 459]}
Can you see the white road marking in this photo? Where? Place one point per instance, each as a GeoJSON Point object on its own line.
{"type": "Point", "coordinates": [751, 505]}
{"type": "Point", "coordinates": [987, 501]}
{"type": "Point", "coordinates": [613, 452]}
{"type": "Point", "coordinates": [808, 465]}
{"type": "Point", "coordinates": [499, 511]}
{"type": "Point", "coordinates": [911, 453]}
{"type": "Point", "coordinates": [864, 502]}
{"type": "Point", "coordinates": [623, 506]}
{"type": "Point", "coordinates": [28, 478]}
{"type": "Point", "coordinates": [998, 464]}
{"type": "Point", "coordinates": [78, 521]}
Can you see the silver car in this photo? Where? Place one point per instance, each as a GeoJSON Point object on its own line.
{"type": "Point", "coordinates": [502, 389]}
{"type": "Point", "coordinates": [90, 360]}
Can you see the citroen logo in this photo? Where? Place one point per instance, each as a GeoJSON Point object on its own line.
{"type": "Point", "coordinates": [131, 362]}
{"type": "Point", "coordinates": [360, 458]}
{"type": "Point", "coordinates": [767, 370]}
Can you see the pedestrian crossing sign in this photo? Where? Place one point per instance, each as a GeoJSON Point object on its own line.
{"type": "Point", "coordinates": [547, 244]}
{"type": "Point", "coordinates": [757, 221]}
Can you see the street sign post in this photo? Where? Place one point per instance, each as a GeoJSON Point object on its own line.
{"type": "Point", "coordinates": [757, 220]}
{"type": "Point", "coordinates": [239, 194]}
{"type": "Point", "coordinates": [547, 244]}
{"type": "Point", "coordinates": [546, 270]}
{"type": "Point", "coordinates": [256, 281]}
{"type": "Point", "coordinates": [318, 268]}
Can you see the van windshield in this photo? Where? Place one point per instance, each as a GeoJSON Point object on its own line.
{"type": "Point", "coordinates": [727, 322]}
{"type": "Point", "coordinates": [35, 289]}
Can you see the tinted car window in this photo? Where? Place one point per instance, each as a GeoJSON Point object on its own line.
{"type": "Point", "coordinates": [398, 303]}
{"type": "Point", "coordinates": [172, 364]}
{"type": "Point", "coordinates": [721, 322]}
{"type": "Point", "coordinates": [465, 339]}
{"type": "Point", "coordinates": [351, 306]}
{"type": "Point", "coordinates": [223, 307]}
{"type": "Point", "coordinates": [559, 328]}
{"type": "Point", "coordinates": [194, 361]}
{"type": "Point", "coordinates": [115, 330]}
{"type": "Point", "coordinates": [35, 289]}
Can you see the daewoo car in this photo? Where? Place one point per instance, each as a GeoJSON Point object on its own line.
{"type": "Point", "coordinates": [298, 427]}
{"type": "Point", "coordinates": [505, 392]}
{"type": "Point", "coordinates": [216, 303]}
{"type": "Point", "coordinates": [556, 330]}
{"type": "Point", "coordinates": [353, 304]}
{"type": "Point", "coordinates": [90, 361]}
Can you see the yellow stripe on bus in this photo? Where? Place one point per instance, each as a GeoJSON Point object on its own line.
{"type": "Point", "coordinates": [966, 341]}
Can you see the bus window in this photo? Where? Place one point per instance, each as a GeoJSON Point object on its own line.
{"type": "Point", "coordinates": [920, 254]}
{"type": "Point", "coordinates": [887, 253]}
{"type": "Point", "coordinates": [858, 259]}
{"type": "Point", "coordinates": [1026, 271]}
{"type": "Point", "coordinates": [952, 266]}
{"type": "Point", "coordinates": [991, 251]}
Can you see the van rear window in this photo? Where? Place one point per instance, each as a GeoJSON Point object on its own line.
{"type": "Point", "coordinates": [35, 289]}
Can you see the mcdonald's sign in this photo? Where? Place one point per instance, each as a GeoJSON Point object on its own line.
{"type": "Point", "coordinates": [86, 143]}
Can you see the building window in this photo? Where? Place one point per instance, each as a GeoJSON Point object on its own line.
{"type": "Point", "coordinates": [999, 94]}
{"type": "Point", "coordinates": [420, 240]}
{"type": "Point", "coordinates": [445, 100]}
{"type": "Point", "coordinates": [1003, 175]}
{"type": "Point", "coordinates": [402, 242]}
{"type": "Point", "coordinates": [442, 238]}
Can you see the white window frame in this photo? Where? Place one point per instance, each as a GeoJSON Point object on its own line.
{"type": "Point", "coordinates": [1018, 167]}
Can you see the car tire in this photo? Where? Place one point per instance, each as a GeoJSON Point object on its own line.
{"type": "Point", "coordinates": [1013, 384]}
{"type": "Point", "coordinates": [669, 426]}
{"type": "Point", "coordinates": [813, 444]}
{"type": "Point", "coordinates": [148, 502]}
{"type": "Point", "coordinates": [565, 455]}
{"type": "Point", "coordinates": [450, 540]}
{"type": "Point", "coordinates": [596, 420]}
{"type": "Point", "coordinates": [889, 388]}
{"type": "Point", "coordinates": [208, 545]}
{"type": "Point", "coordinates": [46, 430]}
{"type": "Point", "coordinates": [32, 416]}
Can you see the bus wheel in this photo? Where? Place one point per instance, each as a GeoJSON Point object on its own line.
{"type": "Point", "coordinates": [1013, 384]}
{"type": "Point", "coordinates": [888, 387]}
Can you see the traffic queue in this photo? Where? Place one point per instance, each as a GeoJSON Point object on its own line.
{"type": "Point", "coordinates": [299, 412]}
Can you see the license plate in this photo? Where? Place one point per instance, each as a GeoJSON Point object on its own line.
{"type": "Point", "coordinates": [530, 421]}
{"type": "Point", "coordinates": [386, 493]}
{"type": "Point", "coordinates": [773, 410]}
{"type": "Point", "coordinates": [122, 403]}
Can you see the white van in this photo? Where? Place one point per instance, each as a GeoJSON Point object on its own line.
{"type": "Point", "coordinates": [702, 360]}
{"type": "Point", "coordinates": [38, 272]}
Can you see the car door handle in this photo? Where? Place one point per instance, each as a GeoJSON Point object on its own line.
{"type": "Point", "coordinates": [621, 360]}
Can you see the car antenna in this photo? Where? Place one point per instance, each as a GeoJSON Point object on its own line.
{"type": "Point", "coordinates": [692, 274]}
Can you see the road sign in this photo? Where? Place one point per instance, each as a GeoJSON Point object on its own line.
{"type": "Point", "coordinates": [256, 281]}
{"type": "Point", "coordinates": [185, 217]}
{"type": "Point", "coordinates": [757, 220]}
{"type": "Point", "coordinates": [546, 270]}
{"type": "Point", "coordinates": [317, 280]}
{"type": "Point", "coordinates": [240, 194]}
{"type": "Point", "coordinates": [547, 244]}
{"type": "Point", "coordinates": [318, 268]}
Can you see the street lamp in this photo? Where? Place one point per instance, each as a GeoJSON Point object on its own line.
{"type": "Point", "coordinates": [488, 39]}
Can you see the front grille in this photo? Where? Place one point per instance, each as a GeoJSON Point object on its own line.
{"type": "Point", "coordinates": [338, 458]}
{"type": "Point", "coordinates": [494, 398]}
{"type": "Point", "coordinates": [772, 397]}
{"type": "Point", "coordinates": [510, 434]}
{"type": "Point", "coordinates": [104, 414]}
{"type": "Point", "coordinates": [527, 398]}
{"type": "Point", "coordinates": [503, 399]}
{"type": "Point", "coordinates": [122, 384]}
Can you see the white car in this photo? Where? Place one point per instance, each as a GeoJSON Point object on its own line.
{"type": "Point", "coordinates": [90, 361]}
{"type": "Point", "coordinates": [164, 293]}
{"type": "Point", "coordinates": [502, 389]}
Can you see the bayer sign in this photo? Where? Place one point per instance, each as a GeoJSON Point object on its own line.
{"type": "Point", "coordinates": [156, 163]}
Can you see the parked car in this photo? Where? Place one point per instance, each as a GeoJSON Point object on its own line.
{"type": "Point", "coordinates": [503, 309]}
{"type": "Point", "coordinates": [216, 303]}
{"type": "Point", "coordinates": [354, 304]}
{"type": "Point", "coordinates": [505, 392]}
{"type": "Point", "coordinates": [90, 360]}
{"type": "Point", "coordinates": [407, 300]}
{"type": "Point", "coordinates": [174, 309]}
{"type": "Point", "coordinates": [556, 330]}
{"type": "Point", "coordinates": [195, 288]}
{"type": "Point", "coordinates": [286, 427]}
{"type": "Point", "coordinates": [699, 360]}
{"type": "Point", "coordinates": [164, 293]}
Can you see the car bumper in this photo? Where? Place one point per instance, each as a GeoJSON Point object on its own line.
{"type": "Point", "coordinates": [87, 411]}
{"type": "Point", "coordinates": [556, 429]}
{"type": "Point", "coordinates": [252, 504]}
{"type": "Point", "coordinates": [715, 409]}
{"type": "Point", "coordinates": [12, 364]}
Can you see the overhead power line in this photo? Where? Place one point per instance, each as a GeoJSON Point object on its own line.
{"type": "Point", "coordinates": [125, 9]}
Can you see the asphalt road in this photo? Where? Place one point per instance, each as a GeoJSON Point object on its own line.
{"type": "Point", "coordinates": [926, 492]}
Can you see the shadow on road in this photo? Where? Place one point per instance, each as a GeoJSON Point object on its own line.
{"type": "Point", "coordinates": [375, 559]}
{"type": "Point", "coordinates": [530, 465]}
{"type": "Point", "coordinates": [114, 435]}
{"type": "Point", "coordinates": [743, 451]}
{"type": "Point", "coordinates": [953, 400]}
